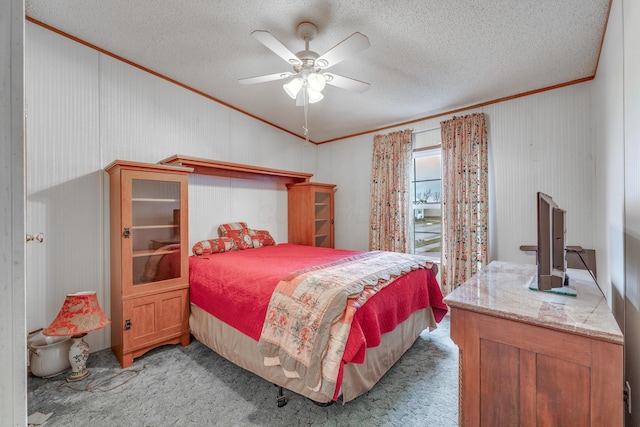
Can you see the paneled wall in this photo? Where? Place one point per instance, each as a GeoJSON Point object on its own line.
{"type": "Point", "coordinates": [609, 155]}
{"type": "Point", "coordinates": [86, 109]}
{"type": "Point", "coordinates": [64, 178]}
{"type": "Point", "coordinates": [541, 142]}
{"type": "Point", "coordinates": [632, 204]}
{"type": "Point", "coordinates": [347, 164]}
{"type": "Point", "coordinates": [13, 349]}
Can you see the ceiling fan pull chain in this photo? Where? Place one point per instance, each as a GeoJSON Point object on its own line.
{"type": "Point", "coordinates": [305, 127]}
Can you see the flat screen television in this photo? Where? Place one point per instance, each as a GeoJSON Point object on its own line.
{"type": "Point", "coordinates": [551, 248]}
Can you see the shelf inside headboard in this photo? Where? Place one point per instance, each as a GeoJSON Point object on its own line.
{"type": "Point", "coordinates": [236, 170]}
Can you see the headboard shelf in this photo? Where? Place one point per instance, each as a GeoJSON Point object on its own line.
{"type": "Point", "coordinates": [236, 170]}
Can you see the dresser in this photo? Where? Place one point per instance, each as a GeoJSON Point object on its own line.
{"type": "Point", "coordinates": [530, 358]}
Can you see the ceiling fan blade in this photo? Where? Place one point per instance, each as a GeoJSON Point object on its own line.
{"type": "Point", "coordinates": [265, 78]}
{"type": "Point", "coordinates": [353, 44]}
{"type": "Point", "coordinates": [267, 39]}
{"type": "Point", "coordinates": [346, 82]}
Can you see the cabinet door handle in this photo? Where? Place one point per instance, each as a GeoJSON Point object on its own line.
{"type": "Point", "coordinates": [127, 324]}
{"type": "Point", "coordinates": [127, 233]}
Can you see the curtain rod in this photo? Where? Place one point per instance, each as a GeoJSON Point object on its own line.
{"type": "Point", "coordinates": [426, 130]}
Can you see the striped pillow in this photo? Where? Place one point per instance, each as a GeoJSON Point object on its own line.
{"type": "Point", "coordinates": [241, 237]}
{"type": "Point", "coordinates": [214, 246]}
{"type": "Point", "coordinates": [223, 229]}
{"type": "Point", "coordinates": [260, 238]}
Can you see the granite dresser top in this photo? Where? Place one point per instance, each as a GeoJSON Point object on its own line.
{"type": "Point", "coordinates": [501, 289]}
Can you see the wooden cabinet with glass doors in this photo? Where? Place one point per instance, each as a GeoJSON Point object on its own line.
{"type": "Point", "coordinates": [311, 214]}
{"type": "Point", "coordinates": [149, 257]}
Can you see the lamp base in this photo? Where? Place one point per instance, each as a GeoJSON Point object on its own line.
{"type": "Point", "coordinates": [80, 376]}
{"type": "Point", "coordinates": [78, 355]}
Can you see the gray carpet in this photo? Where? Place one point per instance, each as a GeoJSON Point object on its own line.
{"type": "Point", "coordinates": [193, 386]}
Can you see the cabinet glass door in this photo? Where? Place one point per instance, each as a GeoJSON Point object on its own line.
{"type": "Point", "coordinates": [155, 230]}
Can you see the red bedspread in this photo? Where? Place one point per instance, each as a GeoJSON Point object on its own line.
{"type": "Point", "coordinates": [236, 287]}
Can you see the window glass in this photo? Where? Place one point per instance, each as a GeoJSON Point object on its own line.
{"type": "Point", "coordinates": [426, 195]}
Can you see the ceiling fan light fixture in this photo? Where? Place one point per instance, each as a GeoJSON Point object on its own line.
{"type": "Point", "coordinates": [293, 87]}
{"type": "Point", "coordinates": [316, 82]}
{"type": "Point", "coordinates": [314, 96]}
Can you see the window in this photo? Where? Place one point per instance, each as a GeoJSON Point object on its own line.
{"type": "Point", "coordinates": [426, 198]}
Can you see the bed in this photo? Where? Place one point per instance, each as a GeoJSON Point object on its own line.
{"type": "Point", "coordinates": [232, 291]}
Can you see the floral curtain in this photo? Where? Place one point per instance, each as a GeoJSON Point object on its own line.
{"type": "Point", "coordinates": [465, 199]}
{"type": "Point", "coordinates": [389, 218]}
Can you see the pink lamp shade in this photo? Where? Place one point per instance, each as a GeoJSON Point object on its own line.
{"type": "Point", "coordinates": [79, 314]}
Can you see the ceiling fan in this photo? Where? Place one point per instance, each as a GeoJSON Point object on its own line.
{"type": "Point", "coordinates": [309, 75]}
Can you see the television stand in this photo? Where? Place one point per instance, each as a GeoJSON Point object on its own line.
{"type": "Point", "coordinates": [535, 358]}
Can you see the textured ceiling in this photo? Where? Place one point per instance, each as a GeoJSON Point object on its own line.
{"type": "Point", "coordinates": [426, 56]}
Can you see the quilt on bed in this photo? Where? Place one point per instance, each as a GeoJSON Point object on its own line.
{"type": "Point", "coordinates": [310, 313]}
{"type": "Point", "coordinates": [236, 287]}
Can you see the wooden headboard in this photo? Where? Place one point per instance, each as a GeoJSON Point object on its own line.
{"type": "Point", "coordinates": [236, 170]}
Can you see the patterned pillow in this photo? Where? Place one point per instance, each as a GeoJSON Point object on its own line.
{"type": "Point", "coordinates": [241, 237]}
{"type": "Point", "coordinates": [214, 246]}
{"type": "Point", "coordinates": [224, 229]}
{"type": "Point", "coordinates": [261, 238]}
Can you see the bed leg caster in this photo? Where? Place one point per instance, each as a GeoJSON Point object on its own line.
{"type": "Point", "coordinates": [281, 398]}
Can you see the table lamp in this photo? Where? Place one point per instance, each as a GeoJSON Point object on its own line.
{"type": "Point", "coordinates": [79, 315]}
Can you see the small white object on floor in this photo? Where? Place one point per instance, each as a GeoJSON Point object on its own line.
{"type": "Point", "coordinates": [38, 419]}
